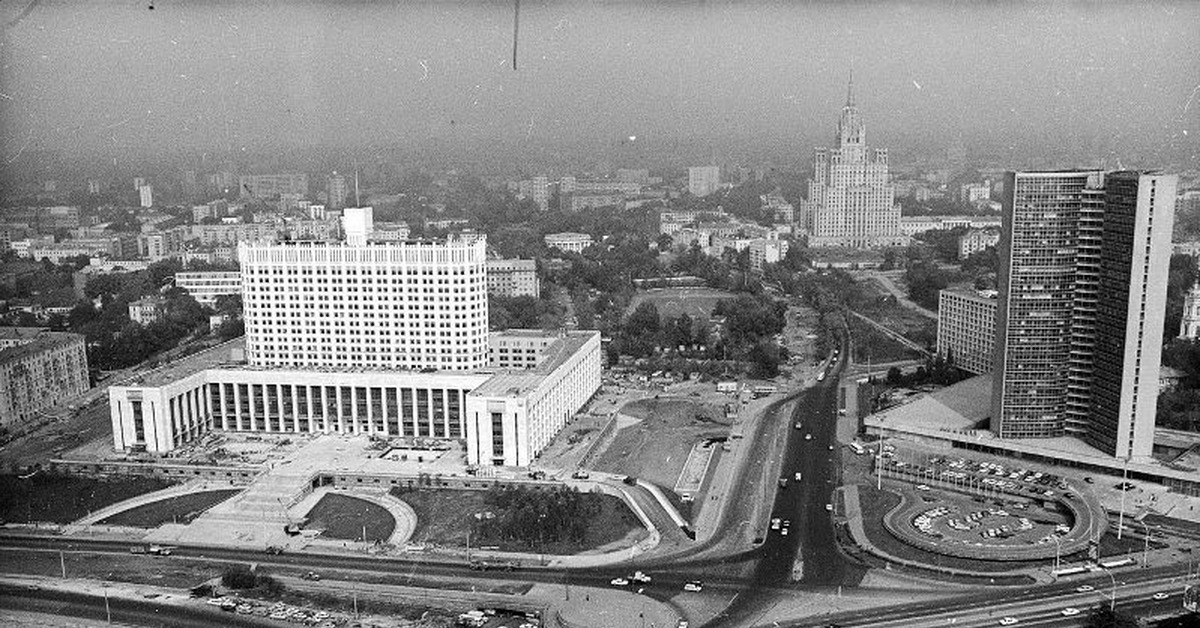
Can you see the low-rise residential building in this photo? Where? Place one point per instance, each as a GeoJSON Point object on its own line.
{"type": "Point", "coordinates": [977, 240]}
{"type": "Point", "coordinates": [161, 243]}
{"type": "Point", "coordinates": [233, 233]}
{"type": "Point", "coordinates": [146, 311]}
{"type": "Point", "coordinates": [512, 278]}
{"type": "Point", "coordinates": [913, 225]}
{"type": "Point", "coordinates": [56, 252]}
{"type": "Point", "coordinates": [579, 201]}
{"type": "Point", "coordinates": [567, 241]}
{"type": "Point", "coordinates": [206, 286]}
{"type": "Point", "coordinates": [966, 329]}
{"type": "Point", "coordinates": [40, 372]}
{"type": "Point", "coordinates": [272, 185]}
{"type": "Point", "coordinates": [390, 232]}
{"type": "Point", "coordinates": [767, 251]}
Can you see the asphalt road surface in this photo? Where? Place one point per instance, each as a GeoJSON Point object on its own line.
{"type": "Point", "coordinates": [804, 503]}
{"type": "Point", "coordinates": [123, 611]}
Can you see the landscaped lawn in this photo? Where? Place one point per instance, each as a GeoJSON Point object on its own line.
{"type": "Point", "coordinates": [65, 498]}
{"type": "Point", "coordinates": [446, 516]}
{"type": "Point", "coordinates": [179, 509]}
{"type": "Point", "coordinates": [344, 517]}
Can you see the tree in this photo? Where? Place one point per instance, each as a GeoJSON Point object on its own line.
{"type": "Point", "coordinates": [664, 242]}
{"type": "Point", "coordinates": [764, 359]}
{"type": "Point", "coordinates": [229, 305]}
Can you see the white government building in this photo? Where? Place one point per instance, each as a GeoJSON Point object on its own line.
{"type": "Point", "coordinates": [376, 338]}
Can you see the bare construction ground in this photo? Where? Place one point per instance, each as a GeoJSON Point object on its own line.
{"type": "Point", "coordinates": [658, 435]}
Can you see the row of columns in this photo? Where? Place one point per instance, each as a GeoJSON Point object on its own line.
{"type": "Point", "coordinates": [384, 409]}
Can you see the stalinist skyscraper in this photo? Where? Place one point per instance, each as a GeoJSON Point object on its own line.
{"type": "Point", "coordinates": [850, 202]}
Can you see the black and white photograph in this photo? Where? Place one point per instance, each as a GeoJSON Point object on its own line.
{"type": "Point", "coordinates": [599, 313]}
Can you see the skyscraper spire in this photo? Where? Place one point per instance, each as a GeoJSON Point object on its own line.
{"type": "Point", "coordinates": [850, 88]}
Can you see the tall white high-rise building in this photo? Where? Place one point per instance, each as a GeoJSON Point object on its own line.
{"type": "Point", "coordinates": [337, 191]}
{"type": "Point", "coordinates": [1083, 276]}
{"type": "Point", "coordinates": [704, 180]}
{"type": "Point", "coordinates": [146, 194]}
{"type": "Point", "coordinates": [401, 305]}
{"type": "Point", "coordinates": [850, 201]}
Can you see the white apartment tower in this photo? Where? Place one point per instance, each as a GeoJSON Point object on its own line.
{"type": "Point", "coordinates": [704, 180]}
{"type": "Point", "coordinates": [337, 191]}
{"type": "Point", "coordinates": [408, 305]}
{"type": "Point", "coordinates": [850, 201]}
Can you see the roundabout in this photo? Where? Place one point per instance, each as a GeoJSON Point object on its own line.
{"type": "Point", "coordinates": [965, 511]}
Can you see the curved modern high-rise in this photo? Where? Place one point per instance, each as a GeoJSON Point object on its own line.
{"type": "Point", "coordinates": [1079, 327]}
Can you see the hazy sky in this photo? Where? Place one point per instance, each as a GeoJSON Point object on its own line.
{"type": "Point", "coordinates": [117, 75]}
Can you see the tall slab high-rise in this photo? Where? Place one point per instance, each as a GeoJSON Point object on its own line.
{"type": "Point", "coordinates": [1083, 268]}
{"type": "Point", "coordinates": [850, 201]}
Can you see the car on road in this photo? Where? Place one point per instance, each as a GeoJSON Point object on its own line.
{"type": "Point", "coordinates": [808, 437]}
{"type": "Point", "coordinates": [640, 577]}
{"type": "Point", "coordinates": [1087, 588]}
{"type": "Point", "coordinates": [1008, 621]}
{"type": "Point", "coordinates": [619, 582]}
{"type": "Point", "coordinates": [831, 448]}
{"type": "Point", "coordinates": [1161, 595]}
{"type": "Point", "coordinates": [1070, 611]}
{"type": "Point", "coordinates": [580, 475]}
{"type": "Point", "coordinates": [783, 532]}
{"type": "Point", "coordinates": [829, 507]}
{"type": "Point", "coordinates": [775, 523]}
{"type": "Point", "coordinates": [798, 476]}
{"type": "Point", "coordinates": [311, 575]}
{"type": "Point", "coordinates": [799, 425]}
{"type": "Point", "coordinates": [693, 585]}
{"type": "Point", "coordinates": [922, 487]}
{"type": "Point", "coordinates": [782, 482]}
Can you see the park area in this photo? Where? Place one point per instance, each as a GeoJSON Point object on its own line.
{"type": "Point", "coordinates": [45, 497]}
{"type": "Point", "coordinates": [657, 435]}
{"type": "Point", "coordinates": [349, 519]}
{"type": "Point", "coordinates": [518, 519]}
{"type": "Point", "coordinates": [880, 306]}
{"type": "Point", "coordinates": [671, 302]}
{"type": "Point", "coordinates": [177, 509]}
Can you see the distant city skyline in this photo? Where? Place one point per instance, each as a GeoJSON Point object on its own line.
{"type": "Point", "coordinates": [706, 79]}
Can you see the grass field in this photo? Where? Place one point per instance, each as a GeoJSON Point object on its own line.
{"type": "Point", "coordinates": [870, 344]}
{"type": "Point", "coordinates": [64, 498]}
{"type": "Point", "coordinates": [179, 509]}
{"type": "Point", "coordinates": [445, 516]}
{"type": "Point", "coordinates": [656, 448]}
{"type": "Point", "coordinates": [696, 302]}
{"type": "Point", "coordinates": [343, 518]}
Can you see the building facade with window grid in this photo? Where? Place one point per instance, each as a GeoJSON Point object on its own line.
{"type": "Point", "coordinates": [206, 286]}
{"type": "Point", "coordinates": [1083, 258]}
{"type": "Point", "coordinates": [395, 305]}
{"type": "Point", "coordinates": [343, 366]}
{"type": "Point", "coordinates": [505, 416]}
{"type": "Point", "coordinates": [966, 330]}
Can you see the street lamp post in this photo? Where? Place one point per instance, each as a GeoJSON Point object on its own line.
{"type": "Point", "coordinates": [1124, 483]}
{"type": "Point", "coordinates": [1057, 551]}
{"type": "Point", "coordinates": [1112, 604]}
{"type": "Point", "coordinates": [1145, 545]}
